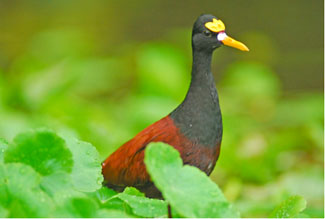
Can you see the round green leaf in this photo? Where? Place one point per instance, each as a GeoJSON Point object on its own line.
{"type": "Point", "coordinates": [188, 190]}
{"type": "Point", "coordinates": [20, 193]}
{"type": "Point", "coordinates": [86, 173]}
{"type": "Point", "coordinates": [41, 149]}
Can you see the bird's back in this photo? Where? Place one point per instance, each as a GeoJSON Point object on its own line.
{"type": "Point", "coordinates": [125, 167]}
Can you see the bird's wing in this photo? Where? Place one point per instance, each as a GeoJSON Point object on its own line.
{"type": "Point", "coordinates": [125, 167]}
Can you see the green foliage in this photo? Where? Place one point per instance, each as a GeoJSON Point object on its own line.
{"type": "Point", "coordinates": [87, 208]}
{"type": "Point", "coordinates": [86, 173]}
{"type": "Point", "coordinates": [103, 194]}
{"type": "Point", "coordinates": [45, 145]}
{"type": "Point", "coordinates": [143, 206]}
{"type": "Point", "coordinates": [186, 188]}
{"type": "Point", "coordinates": [20, 192]}
{"type": "Point", "coordinates": [44, 175]}
{"type": "Point", "coordinates": [52, 190]}
{"type": "Point", "coordinates": [78, 207]}
{"type": "Point", "coordinates": [290, 208]}
{"type": "Point", "coordinates": [273, 138]}
{"type": "Point", "coordinates": [67, 168]}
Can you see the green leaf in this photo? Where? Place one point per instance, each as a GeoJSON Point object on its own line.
{"type": "Point", "coordinates": [103, 194]}
{"type": "Point", "coordinates": [116, 203]}
{"type": "Point", "coordinates": [289, 208]}
{"type": "Point", "coordinates": [133, 191]}
{"type": "Point", "coordinates": [48, 153]}
{"type": "Point", "coordinates": [59, 187]}
{"type": "Point", "coordinates": [3, 147]}
{"type": "Point", "coordinates": [188, 190]}
{"type": "Point", "coordinates": [63, 175]}
{"type": "Point", "coordinates": [20, 193]}
{"type": "Point", "coordinates": [142, 206]}
{"type": "Point", "coordinates": [131, 201]}
{"type": "Point", "coordinates": [107, 199]}
{"type": "Point", "coordinates": [41, 149]}
{"type": "Point", "coordinates": [87, 171]}
{"type": "Point", "coordinates": [77, 207]}
{"type": "Point", "coordinates": [85, 208]}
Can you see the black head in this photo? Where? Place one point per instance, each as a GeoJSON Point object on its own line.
{"type": "Point", "coordinates": [203, 38]}
{"type": "Point", "coordinates": [209, 34]}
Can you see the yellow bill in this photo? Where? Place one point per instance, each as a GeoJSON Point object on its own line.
{"type": "Point", "coordinates": [218, 26]}
{"type": "Point", "coordinates": [228, 41]}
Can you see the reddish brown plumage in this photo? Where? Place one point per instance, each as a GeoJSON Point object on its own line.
{"type": "Point", "coordinates": [125, 167]}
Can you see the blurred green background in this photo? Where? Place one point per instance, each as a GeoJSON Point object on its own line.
{"type": "Point", "coordinates": [104, 70]}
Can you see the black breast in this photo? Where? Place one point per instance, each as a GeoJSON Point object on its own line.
{"type": "Point", "coordinates": [199, 116]}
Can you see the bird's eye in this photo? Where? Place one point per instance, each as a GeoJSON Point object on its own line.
{"type": "Point", "coordinates": [207, 33]}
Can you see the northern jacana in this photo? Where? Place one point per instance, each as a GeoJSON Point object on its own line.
{"type": "Point", "coordinates": [194, 128]}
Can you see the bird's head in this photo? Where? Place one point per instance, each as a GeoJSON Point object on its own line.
{"type": "Point", "coordinates": [209, 34]}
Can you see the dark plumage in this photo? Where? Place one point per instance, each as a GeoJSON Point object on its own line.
{"type": "Point", "coordinates": [194, 128]}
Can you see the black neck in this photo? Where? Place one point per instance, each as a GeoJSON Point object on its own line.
{"type": "Point", "coordinates": [198, 116]}
{"type": "Point", "coordinates": [201, 63]}
{"type": "Point", "coordinates": [201, 71]}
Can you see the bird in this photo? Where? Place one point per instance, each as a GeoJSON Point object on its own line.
{"type": "Point", "coordinates": [194, 128]}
